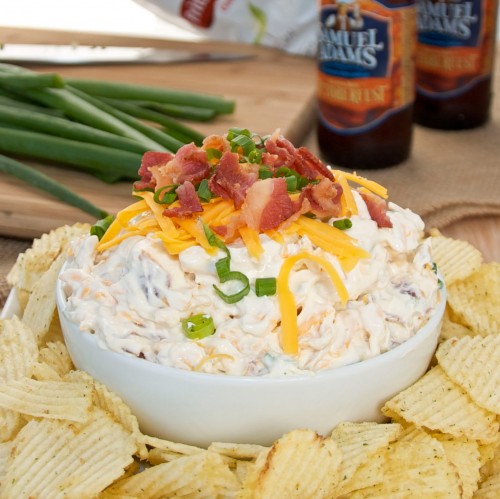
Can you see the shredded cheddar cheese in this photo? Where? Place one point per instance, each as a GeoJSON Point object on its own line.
{"type": "Point", "coordinates": [288, 308]}
{"type": "Point", "coordinates": [251, 239]}
{"type": "Point", "coordinates": [372, 186]}
{"type": "Point", "coordinates": [347, 200]}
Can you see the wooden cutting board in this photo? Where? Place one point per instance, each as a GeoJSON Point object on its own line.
{"type": "Point", "coordinates": [271, 90]}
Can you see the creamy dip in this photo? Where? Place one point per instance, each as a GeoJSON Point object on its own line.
{"type": "Point", "coordinates": [133, 297]}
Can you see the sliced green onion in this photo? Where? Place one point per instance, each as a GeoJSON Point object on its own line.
{"type": "Point", "coordinates": [235, 131]}
{"type": "Point", "coordinates": [166, 194]}
{"type": "Point", "coordinates": [255, 156]}
{"type": "Point", "coordinates": [204, 192]}
{"type": "Point", "coordinates": [213, 153]}
{"type": "Point", "coordinates": [222, 267]}
{"type": "Point", "coordinates": [101, 226]}
{"type": "Point", "coordinates": [291, 183]}
{"type": "Point", "coordinates": [265, 173]}
{"type": "Point", "coordinates": [239, 295]}
{"type": "Point", "coordinates": [198, 326]}
{"type": "Point", "coordinates": [213, 240]}
{"type": "Point", "coordinates": [265, 286]}
{"type": "Point", "coordinates": [300, 181]}
{"type": "Point", "coordinates": [342, 224]}
{"type": "Point", "coordinates": [246, 143]}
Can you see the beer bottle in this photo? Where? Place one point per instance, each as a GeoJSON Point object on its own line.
{"type": "Point", "coordinates": [456, 40]}
{"type": "Point", "coordinates": [365, 85]}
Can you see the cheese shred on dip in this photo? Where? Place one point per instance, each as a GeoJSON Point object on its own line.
{"type": "Point", "coordinates": [175, 279]}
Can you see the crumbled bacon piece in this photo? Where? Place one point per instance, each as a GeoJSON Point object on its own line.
{"type": "Point", "coordinates": [267, 204]}
{"type": "Point", "coordinates": [232, 179]}
{"type": "Point", "coordinates": [190, 164]}
{"type": "Point", "coordinates": [281, 152]}
{"type": "Point", "coordinates": [324, 198]}
{"type": "Point", "coordinates": [377, 208]}
{"type": "Point", "coordinates": [149, 160]}
{"type": "Point", "coordinates": [188, 201]}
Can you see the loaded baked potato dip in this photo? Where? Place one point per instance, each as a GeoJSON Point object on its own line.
{"type": "Point", "coordinates": [248, 256]}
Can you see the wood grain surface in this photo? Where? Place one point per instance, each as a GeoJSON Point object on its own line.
{"type": "Point", "coordinates": [271, 91]}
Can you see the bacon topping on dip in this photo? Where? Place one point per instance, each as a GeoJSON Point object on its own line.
{"type": "Point", "coordinates": [268, 179]}
{"type": "Point", "coordinates": [248, 256]}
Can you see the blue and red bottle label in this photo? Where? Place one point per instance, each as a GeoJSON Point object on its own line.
{"type": "Point", "coordinates": [455, 45]}
{"type": "Point", "coordinates": [365, 62]}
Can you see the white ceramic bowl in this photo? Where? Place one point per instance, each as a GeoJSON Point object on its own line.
{"type": "Point", "coordinates": [198, 408]}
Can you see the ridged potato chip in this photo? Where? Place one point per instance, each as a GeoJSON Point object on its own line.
{"type": "Point", "coordinates": [237, 451]}
{"type": "Point", "coordinates": [47, 399]}
{"type": "Point", "coordinates": [35, 261]}
{"type": "Point", "coordinates": [64, 459]}
{"type": "Point", "coordinates": [41, 305]}
{"type": "Point", "coordinates": [57, 356]}
{"type": "Point", "coordinates": [159, 443]}
{"type": "Point", "coordinates": [203, 475]}
{"type": "Point", "coordinates": [357, 442]}
{"type": "Point", "coordinates": [10, 423]}
{"type": "Point", "coordinates": [104, 398]}
{"type": "Point", "coordinates": [464, 455]}
{"type": "Point", "coordinates": [18, 355]}
{"type": "Point", "coordinates": [368, 475]}
{"type": "Point", "coordinates": [473, 363]}
{"type": "Point", "coordinates": [452, 329]}
{"type": "Point", "coordinates": [490, 488]}
{"type": "Point", "coordinates": [488, 451]}
{"type": "Point", "coordinates": [5, 449]}
{"type": "Point", "coordinates": [460, 452]}
{"type": "Point", "coordinates": [415, 469]}
{"type": "Point", "coordinates": [44, 372]}
{"type": "Point", "coordinates": [18, 349]}
{"type": "Point", "coordinates": [476, 300]}
{"type": "Point", "coordinates": [437, 403]}
{"type": "Point", "coordinates": [455, 259]}
{"type": "Point", "coordinates": [300, 464]}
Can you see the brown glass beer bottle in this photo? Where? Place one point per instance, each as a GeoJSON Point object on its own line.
{"type": "Point", "coordinates": [365, 86]}
{"type": "Point", "coordinates": [456, 41]}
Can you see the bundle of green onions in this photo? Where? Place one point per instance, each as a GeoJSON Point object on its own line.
{"type": "Point", "coordinates": [99, 127]}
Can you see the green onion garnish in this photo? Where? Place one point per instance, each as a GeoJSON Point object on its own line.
{"type": "Point", "coordinates": [342, 224]}
{"type": "Point", "coordinates": [291, 183]}
{"type": "Point", "coordinates": [235, 297]}
{"type": "Point", "coordinates": [265, 286]}
{"type": "Point", "coordinates": [204, 192]}
{"type": "Point", "coordinates": [255, 156]}
{"type": "Point", "coordinates": [288, 173]}
{"type": "Point", "coordinates": [198, 326]}
{"type": "Point", "coordinates": [246, 143]}
{"type": "Point", "coordinates": [213, 240]}
{"type": "Point", "coordinates": [235, 131]}
{"type": "Point", "coordinates": [264, 173]}
{"type": "Point", "coordinates": [213, 153]}
{"type": "Point", "coordinates": [166, 194]}
{"type": "Point", "coordinates": [223, 268]}
{"type": "Point", "coordinates": [101, 226]}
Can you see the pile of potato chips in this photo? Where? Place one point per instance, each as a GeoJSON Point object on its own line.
{"type": "Point", "coordinates": [63, 434]}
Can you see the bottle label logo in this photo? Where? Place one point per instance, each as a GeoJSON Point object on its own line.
{"type": "Point", "coordinates": [454, 52]}
{"type": "Point", "coordinates": [365, 65]}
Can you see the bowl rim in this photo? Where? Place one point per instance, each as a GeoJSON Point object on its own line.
{"type": "Point", "coordinates": [400, 350]}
